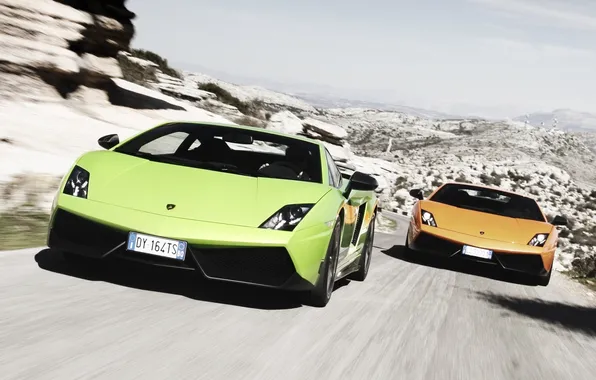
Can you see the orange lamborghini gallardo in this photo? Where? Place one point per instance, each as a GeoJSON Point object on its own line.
{"type": "Point", "coordinates": [485, 224]}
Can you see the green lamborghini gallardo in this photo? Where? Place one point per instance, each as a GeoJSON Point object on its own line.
{"type": "Point", "coordinates": [235, 203]}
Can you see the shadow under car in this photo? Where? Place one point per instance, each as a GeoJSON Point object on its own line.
{"type": "Point", "coordinates": [459, 265]}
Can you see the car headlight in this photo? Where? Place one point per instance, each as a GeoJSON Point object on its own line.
{"type": "Point", "coordinates": [538, 240]}
{"type": "Point", "coordinates": [287, 218]}
{"type": "Point", "coordinates": [77, 183]}
{"type": "Point", "coordinates": [428, 218]}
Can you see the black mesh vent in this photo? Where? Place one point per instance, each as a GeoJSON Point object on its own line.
{"type": "Point", "coordinates": [359, 221]}
{"type": "Point", "coordinates": [84, 232]}
{"type": "Point", "coordinates": [525, 263]}
{"type": "Point", "coordinates": [431, 243]}
{"type": "Point", "coordinates": [265, 266]}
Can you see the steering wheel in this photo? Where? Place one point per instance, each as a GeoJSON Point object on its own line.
{"type": "Point", "coordinates": [291, 166]}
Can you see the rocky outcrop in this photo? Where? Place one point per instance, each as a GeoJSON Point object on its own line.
{"type": "Point", "coordinates": [64, 44]}
{"type": "Point", "coordinates": [321, 130]}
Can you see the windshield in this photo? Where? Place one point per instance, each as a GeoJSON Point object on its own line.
{"type": "Point", "coordinates": [227, 149]}
{"type": "Point", "coordinates": [488, 200]}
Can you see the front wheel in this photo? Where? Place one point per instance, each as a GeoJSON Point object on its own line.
{"type": "Point", "coordinates": [321, 294]}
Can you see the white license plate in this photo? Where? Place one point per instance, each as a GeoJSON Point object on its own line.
{"type": "Point", "coordinates": [157, 246]}
{"type": "Point", "coordinates": [477, 252]}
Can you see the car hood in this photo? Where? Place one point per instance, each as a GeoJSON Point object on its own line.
{"type": "Point", "coordinates": [494, 227]}
{"type": "Point", "coordinates": [197, 194]}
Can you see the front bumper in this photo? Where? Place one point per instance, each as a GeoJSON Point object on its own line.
{"type": "Point", "coordinates": [273, 259]}
{"type": "Point", "coordinates": [532, 263]}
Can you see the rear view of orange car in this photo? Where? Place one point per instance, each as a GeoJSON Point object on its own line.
{"type": "Point", "coordinates": [487, 225]}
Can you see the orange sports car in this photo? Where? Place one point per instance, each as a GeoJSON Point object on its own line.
{"type": "Point", "coordinates": [485, 224]}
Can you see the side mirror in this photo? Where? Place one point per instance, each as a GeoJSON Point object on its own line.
{"type": "Point", "coordinates": [109, 141]}
{"type": "Point", "coordinates": [362, 182]}
{"type": "Point", "coordinates": [417, 193]}
{"type": "Point", "coordinates": [559, 221]}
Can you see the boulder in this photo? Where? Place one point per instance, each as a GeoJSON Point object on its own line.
{"type": "Point", "coordinates": [285, 122]}
{"type": "Point", "coordinates": [64, 44]}
{"type": "Point", "coordinates": [325, 131]}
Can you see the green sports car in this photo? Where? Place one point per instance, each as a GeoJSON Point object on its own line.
{"type": "Point", "coordinates": [235, 203]}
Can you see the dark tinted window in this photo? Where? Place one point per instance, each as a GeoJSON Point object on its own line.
{"type": "Point", "coordinates": [334, 173]}
{"type": "Point", "coordinates": [228, 149]}
{"type": "Point", "coordinates": [490, 201]}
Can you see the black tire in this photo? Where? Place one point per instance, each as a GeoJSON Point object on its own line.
{"type": "Point", "coordinates": [321, 294]}
{"type": "Point", "coordinates": [407, 252]}
{"type": "Point", "coordinates": [366, 256]}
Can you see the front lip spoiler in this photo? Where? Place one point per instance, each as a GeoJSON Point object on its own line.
{"type": "Point", "coordinates": [438, 246]}
{"type": "Point", "coordinates": [112, 246]}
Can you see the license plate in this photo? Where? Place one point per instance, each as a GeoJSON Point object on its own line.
{"type": "Point", "coordinates": [477, 252]}
{"type": "Point", "coordinates": [157, 246]}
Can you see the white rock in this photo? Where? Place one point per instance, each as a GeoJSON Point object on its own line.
{"type": "Point", "coordinates": [51, 8]}
{"type": "Point", "coordinates": [101, 66]}
{"type": "Point", "coordinates": [325, 128]}
{"type": "Point", "coordinates": [339, 153]}
{"type": "Point", "coordinates": [286, 122]}
{"type": "Point", "coordinates": [22, 52]}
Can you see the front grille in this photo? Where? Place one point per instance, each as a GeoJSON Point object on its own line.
{"type": "Point", "coordinates": [123, 253]}
{"type": "Point", "coordinates": [524, 263]}
{"type": "Point", "coordinates": [86, 233]}
{"type": "Point", "coordinates": [433, 244]}
{"type": "Point", "coordinates": [270, 266]}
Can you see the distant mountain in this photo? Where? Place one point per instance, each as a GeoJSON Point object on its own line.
{"type": "Point", "coordinates": [330, 101]}
{"type": "Point", "coordinates": [566, 119]}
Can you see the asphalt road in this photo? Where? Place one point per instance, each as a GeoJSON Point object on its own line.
{"type": "Point", "coordinates": [409, 320]}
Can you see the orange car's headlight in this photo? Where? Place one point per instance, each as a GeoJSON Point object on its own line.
{"type": "Point", "coordinates": [538, 240]}
{"type": "Point", "coordinates": [428, 218]}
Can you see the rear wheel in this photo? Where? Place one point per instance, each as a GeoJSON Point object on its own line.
{"type": "Point", "coordinates": [367, 250]}
{"type": "Point", "coordinates": [321, 294]}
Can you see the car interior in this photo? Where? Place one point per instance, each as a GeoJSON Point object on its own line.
{"type": "Point", "coordinates": [285, 158]}
{"type": "Point", "coordinates": [489, 201]}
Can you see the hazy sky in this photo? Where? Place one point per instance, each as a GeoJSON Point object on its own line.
{"type": "Point", "coordinates": [489, 57]}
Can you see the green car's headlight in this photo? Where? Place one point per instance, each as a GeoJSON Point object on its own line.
{"type": "Point", "coordinates": [287, 218]}
{"type": "Point", "coordinates": [538, 240]}
{"type": "Point", "coordinates": [77, 183]}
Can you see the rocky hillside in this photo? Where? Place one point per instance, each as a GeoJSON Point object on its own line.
{"type": "Point", "coordinates": [51, 49]}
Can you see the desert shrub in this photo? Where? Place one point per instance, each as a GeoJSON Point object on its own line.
{"type": "Point", "coordinates": [400, 182]}
{"type": "Point", "coordinates": [585, 266]}
{"type": "Point", "coordinates": [518, 177]}
{"type": "Point", "coordinates": [161, 62]}
{"type": "Point", "coordinates": [250, 121]}
{"type": "Point", "coordinates": [490, 180]}
{"type": "Point", "coordinates": [223, 95]}
{"type": "Point", "coordinates": [584, 236]}
{"type": "Point", "coordinates": [136, 73]}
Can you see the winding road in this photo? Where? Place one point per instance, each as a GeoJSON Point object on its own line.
{"type": "Point", "coordinates": [423, 319]}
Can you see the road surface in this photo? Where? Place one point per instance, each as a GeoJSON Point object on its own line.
{"type": "Point", "coordinates": [408, 320]}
